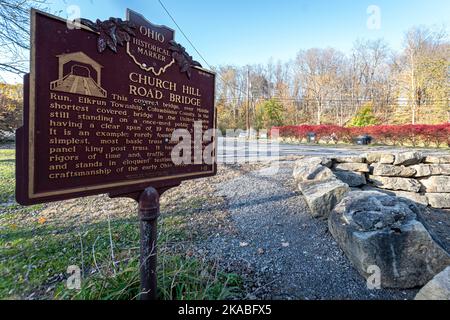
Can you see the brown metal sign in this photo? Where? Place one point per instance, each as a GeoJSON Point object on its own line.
{"type": "Point", "coordinates": [104, 107]}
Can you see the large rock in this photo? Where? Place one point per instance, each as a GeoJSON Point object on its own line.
{"type": "Point", "coordinates": [427, 170]}
{"type": "Point", "coordinates": [399, 184]}
{"type": "Point", "coordinates": [353, 179]}
{"type": "Point", "coordinates": [436, 289]}
{"type": "Point", "coordinates": [322, 197]}
{"type": "Point", "coordinates": [350, 159]}
{"type": "Point", "coordinates": [383, 158]}
{"type": "Point", "coordinates": [375, 229]}
{"type": "Point", "coordinates": [387, 170]}
{"type": "Point", "coordinates": [439, 200]}
{"type": "Point", "coordinates": [408, 158]}
{"type": "Point", "coordinates": [440, 159]}
{"type": "Point", "coordinates": [438, 184]}
{"type": "Point", "coordinates": [358, 167]}
{"type": "Point", "coordinates": [312, 169]}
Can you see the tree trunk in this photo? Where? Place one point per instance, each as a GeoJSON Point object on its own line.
{"type": "Point", "coordinates": [413, 89]}
{"type": "Point", "coordinates": [319, 113]}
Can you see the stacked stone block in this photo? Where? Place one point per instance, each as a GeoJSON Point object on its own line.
{"type": "Point", "coordinates": [422, 179]}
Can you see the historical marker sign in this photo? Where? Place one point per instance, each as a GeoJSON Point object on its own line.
{"type": "Point", "coordinates": [102, 102]}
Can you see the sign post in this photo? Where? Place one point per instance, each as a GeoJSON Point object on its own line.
{"type": "Point", "coordinates": [148, 214]}
{"type": "Point", "coordinates": [115, 107]}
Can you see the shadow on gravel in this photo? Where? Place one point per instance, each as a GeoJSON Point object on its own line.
{"type": "Point", "coordinates": [265, 200]}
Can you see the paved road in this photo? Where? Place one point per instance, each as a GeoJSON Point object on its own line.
{"type": "Point", "coordinates": [238, 150]}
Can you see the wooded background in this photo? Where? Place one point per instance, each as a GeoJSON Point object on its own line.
{"type": "Point", "coordinates": [327, 86]}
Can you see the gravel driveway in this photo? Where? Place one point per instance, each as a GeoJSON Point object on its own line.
{"type": "Point", "coordinates": [287, 253]}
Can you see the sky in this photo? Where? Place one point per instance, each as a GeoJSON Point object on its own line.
{"type": "Point", "coordinates": [242, 32]}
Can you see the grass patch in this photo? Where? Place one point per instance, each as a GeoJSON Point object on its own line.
{"type": "Point", "coordinates": [179, 278]}
{"type": "Point", "coordinates": [7, 175]}
{"type": "Point", "coordinates": [35, 254]}
{"type": "Point", "coordinates": [8, 184]}
{"type": "Point", "coordinates": [186, 207]}
{"type": "Point", "coordinates": [35, 260]}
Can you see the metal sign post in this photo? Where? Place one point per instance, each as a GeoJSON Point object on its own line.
{"type": "Point", "coordinates": [148, 215]}
{"type": "Point", "coordinates": [149, 212]}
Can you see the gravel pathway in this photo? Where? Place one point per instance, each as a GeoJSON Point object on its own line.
{"type": "Point", "coordinates": [287, 253]}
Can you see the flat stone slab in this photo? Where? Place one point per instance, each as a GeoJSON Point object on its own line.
{"type": "Point", "coordinates": [323, 196]}
{"type": "Point", "coordinates": [350, 159]}
{"type": "Point", "coordinates": [396, 184]}
{"type": "Point", "coordinates": [353, 179]}
{"type": "Point", "coordinates": [408, 158]}
{"type": "Point", "coordinates": [436, 289]}
{"type": "Point", "coordinates": [439, 200]}
{"type": "Point", "coordinates": [416, 198]}
{"type": "Point", "coordinates": [443, 159]}
{"type": "Point", "coordinates": [383, 158]}
{"type": "Point", "coordinates": [427, 170]}
{"type": "Point", "coordinates": [387, 170]}
{"type": "Point", "coordinates": [358, 167]}
{"type": "Point", "coordinates": [437, 184]}
{"type": "Point", "coordinates": [375, 229]}
{"type": "Point", "coordinates": [312, 169]}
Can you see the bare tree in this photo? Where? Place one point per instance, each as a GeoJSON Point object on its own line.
{"type": "Point", "coordinates": [319, 70]}
{"type": "Point", "coordinates": [15, 33]}
{"type": "Point", "coordinates": [424, 51]}
{"type": "Point", "coordinates": [327, 86]}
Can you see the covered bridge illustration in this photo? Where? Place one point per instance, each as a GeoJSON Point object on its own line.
{"type": "Point", "coordinates": [79, 74]}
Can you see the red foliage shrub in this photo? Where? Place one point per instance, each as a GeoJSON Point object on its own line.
{"type": "Point", "coordinates": [437, 135]}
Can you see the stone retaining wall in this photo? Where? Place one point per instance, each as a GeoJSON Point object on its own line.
{"type": "Point", "coordinates": [375, 224]}
{"type": "Point", "coordinates": [422, 179]}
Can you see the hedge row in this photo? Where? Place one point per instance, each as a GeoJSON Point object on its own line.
{"type": "Point", "coordinates": [414, 135]}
